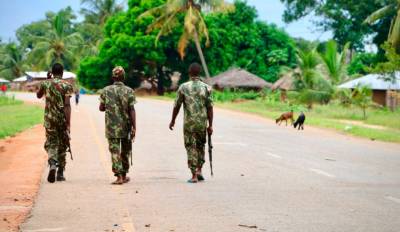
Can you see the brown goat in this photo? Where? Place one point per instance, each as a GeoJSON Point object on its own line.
{"type": "Point", "coordinates": [285, 116]}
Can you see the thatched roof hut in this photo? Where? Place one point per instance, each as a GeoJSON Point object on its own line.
{"type": "Point", "coordinates": [285, 82]}
{"type": "Point", "coordinates": [238, 78]}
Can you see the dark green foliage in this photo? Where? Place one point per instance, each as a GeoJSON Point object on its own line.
{"type": "Point", "coordinates": [237, 39]}
{"type": "Point", "coordinates": [344, 17]}
{"type": "Point", "coordinates": [361, 63]}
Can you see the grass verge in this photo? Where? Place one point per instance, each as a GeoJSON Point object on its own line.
{"type": "Point", "coordinates": [15, 116]}
{"type": "Point", "coordinates": [326, 116]}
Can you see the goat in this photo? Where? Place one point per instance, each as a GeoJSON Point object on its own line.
{"type": "Point", "coordinates": [285, 116]}
{"type": "Point", "coordinates": [300, 121]}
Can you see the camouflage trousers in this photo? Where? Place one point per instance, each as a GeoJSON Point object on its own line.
{"type": "Point", "coordinates": [56, 147]}
{"type": "Point", "coordinates": [121, 150]}
{"type": "Point", "coordinates": [195, 143]}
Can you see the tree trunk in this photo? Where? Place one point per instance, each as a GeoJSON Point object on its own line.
{"type": "Point", "coordinates": [203, 61]}
{"type": "Point", "coordinates": [160, 80]}
{"type": "Point", "coordinates": [365, 113]}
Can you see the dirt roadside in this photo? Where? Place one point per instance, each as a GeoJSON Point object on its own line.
{"type": "Point", "coordinates": [22, 159]}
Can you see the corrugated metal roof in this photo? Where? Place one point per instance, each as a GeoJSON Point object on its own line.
{"type": "Point", "coordinates": [374, 81]}
{"type": "Point", "coordinates": [3, 80]}
{"type": "Point", "coordinates": [43, 75]}
{"type": "Point", "coordinates": [20, 79]}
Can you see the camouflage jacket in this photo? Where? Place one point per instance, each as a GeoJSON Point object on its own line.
{"type": "Point", "coordinates": [118, 100]}
{"type": "Point", "coordinates": [196, 98]}
{"type": "Point", "coordinates": [55, 91]}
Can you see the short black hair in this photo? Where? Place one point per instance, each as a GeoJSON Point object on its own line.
{"type": "Point", "coordinates": [195, 69]}
{"type": "Point", "coordinates": [57, 69]}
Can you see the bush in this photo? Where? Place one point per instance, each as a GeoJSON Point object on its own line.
{"type": "Point", "coordinates": [9, 100]}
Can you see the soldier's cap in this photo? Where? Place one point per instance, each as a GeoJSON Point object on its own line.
{"type": "Point", "coordinates": [118, 72]}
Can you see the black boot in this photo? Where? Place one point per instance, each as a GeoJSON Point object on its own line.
{"type": "Point", "coordinates": [52, 171]}
{"type": "Point", "coordinates": [60, 174]}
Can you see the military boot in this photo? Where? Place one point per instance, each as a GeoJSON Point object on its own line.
{"type": "Point", "coordinates": [60, 174]}
{"type": "Point", "coordinates": [52, 171]}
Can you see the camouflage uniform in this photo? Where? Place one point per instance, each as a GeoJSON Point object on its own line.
{"type": "Point", "coordinates": [54, 118]}
{"type": "Point", "coordinates": [196, 98]}
{"type": "Point", "coordinates": [118, 99]}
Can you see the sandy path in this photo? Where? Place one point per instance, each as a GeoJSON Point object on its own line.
{"type": "Point", "coordinates": [22, 159]}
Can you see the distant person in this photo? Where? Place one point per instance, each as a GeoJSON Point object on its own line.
{"type": "Point", "coordinates": [57, 120]}
{"type": "Point", "coordinates": [118, 101]}
{"type": "Point", "coordinates": [196, 98]}
{"type": "Point", "coordinates": [77, 96]}
{"type": "Point", "coordinates": [4, 89]}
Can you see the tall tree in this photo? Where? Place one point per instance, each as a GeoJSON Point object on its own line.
{"type": "Point", "coordinates": [335, 61]}
{"type": "Point", "coordinates": [392, 10]}
{"type": "Point", "coordinates": [98, 11]}
{"type": "Point", "coordinates": [194, 27]}
{"type": "Point", "coordinates": [310, 83]}
{"type": "Point", "coordinates": [57, 45]}
{"type": "Point", "coordinates": [12, 61]}
{"type": "Point", "coordinates": [343, 17]}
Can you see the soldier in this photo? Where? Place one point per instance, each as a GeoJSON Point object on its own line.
{"type": "Point", "coordinates": [118, 100]}
{"type": "Point", "coordinates": [57, 118]}
{"type": "Point", "coordinates": [198, 108]}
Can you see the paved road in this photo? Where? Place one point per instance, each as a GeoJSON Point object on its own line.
{"type": "Point", "coordinates": [272, 177]}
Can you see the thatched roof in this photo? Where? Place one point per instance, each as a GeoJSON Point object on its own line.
{"type": "Point", "coordinates": [3, 80]}
{"type": "Point", "coordinates": [286, 82]}
{"type": "Point", "coordinates": [237, 78]}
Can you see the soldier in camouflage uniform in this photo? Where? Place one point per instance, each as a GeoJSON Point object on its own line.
{"type": "Point", "coordinates": [118, 100]}
{"type": "Point", "coordinates": [57, 118]}
{"type": "Point", "coordinates": [198, 109]}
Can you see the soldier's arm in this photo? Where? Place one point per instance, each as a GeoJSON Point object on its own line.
{"type": "Point", "coordinates": [132, 113]}
{"type": "Point", "coordinates": [177, 107]}
{"type": "Point", "coordinates": [67, 111]}
{"type": "Point", "coordinates": [40, 92]}
{"type": "Point", "coordinates": [102, 106]}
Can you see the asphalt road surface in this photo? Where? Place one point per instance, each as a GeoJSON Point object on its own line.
{"type": "Point", "coordinates": [266, 178]}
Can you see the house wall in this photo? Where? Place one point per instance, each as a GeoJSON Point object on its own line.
{"type": "Point", "coordinates": [379, 96]}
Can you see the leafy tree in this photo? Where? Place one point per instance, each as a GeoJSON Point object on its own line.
{"type": "Point", "coordinates": [12, 61]}
{"type": "Point", "coordinates": [390, 71]}
{"type": "Point", "coordinates": [392, 10]}
{"type": "Point", "coordinates": [335, 62]}
{"type": "Point", "coordinates": [194, 27]}
{"type": "Point", "coordinates": [98, 11]}
{"type": "Point", "coordinates": [362, 97]}
{"type": "Point", "coordinates": [239, 39]}
{"type": "Point", "coordinates": [361, 63]}
{"type": "Point", "coordinates": [310, 83]}
{"type": "Point", "coordinates": [57, 45]}
{"type": "Point", "coordinates": [343, 17]}
{"type": "Point", "coordinates": [126, 43]}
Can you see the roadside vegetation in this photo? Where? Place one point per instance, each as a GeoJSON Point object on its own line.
{"type": "Point", "coordinates": [381, 123]}
{"type": "Point", "coordinates": [16, 116]}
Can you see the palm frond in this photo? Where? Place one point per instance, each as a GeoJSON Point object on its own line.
{"type": "Point", "coordinates": [375, 16]}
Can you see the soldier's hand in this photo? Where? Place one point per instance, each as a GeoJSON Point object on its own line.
{"type": "Point", "coordinates": [171, 125]}
{"type": "Point", "coordinates": [210, 130]}
{"type": "Point", "coordinates": [133, 133]}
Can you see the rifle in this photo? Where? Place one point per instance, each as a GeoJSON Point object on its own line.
{"type": "Point", "coordinates": [210, 147]}
{"type": "Point", "coordinates": [131, 137]}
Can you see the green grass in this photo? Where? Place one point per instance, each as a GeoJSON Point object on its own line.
{"type": "Point", "coordinates": [324, 116]}
{"type": "Point", "coordinates": [16, 116]}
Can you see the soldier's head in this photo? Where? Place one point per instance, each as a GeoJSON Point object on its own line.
{"type": "Point", "coordinates": [57, 70]}
{"type": "Point", "coordinates": [195, 70]}
{"type": "Point", "coordinates": [118, 74]}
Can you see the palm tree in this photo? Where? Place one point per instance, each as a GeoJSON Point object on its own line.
{"type": "Point", "coordinates": [194, 26]}
{"type": "Point", "coordinates": [309, 81]}
{"type": "Point", "coordinates": [12, 63]}
{"type": "Point", "coordinates": [57, 46]}
{"type": "Point", "coordinates": [335, 62]}
{"type": "Point", "coordinates": [391, 10]}
{"type": "Point", "coordinates": [99, 11]}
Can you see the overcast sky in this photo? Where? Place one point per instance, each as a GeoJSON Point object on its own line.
{"type": "Point", "coordinates": [14, 13]}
